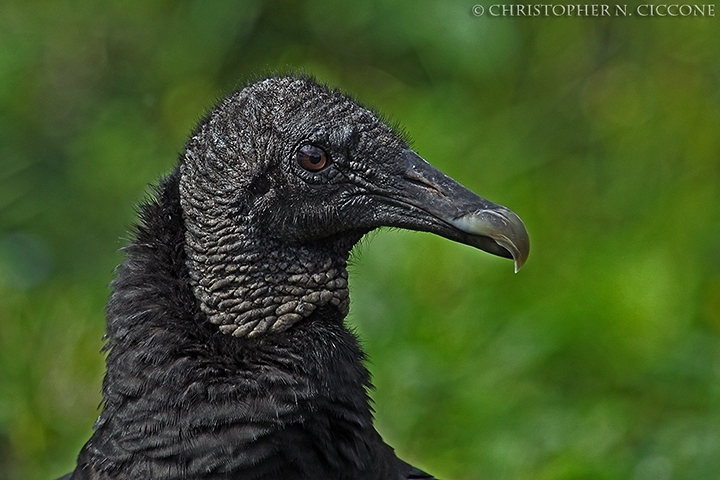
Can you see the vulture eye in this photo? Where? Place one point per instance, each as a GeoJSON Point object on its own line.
{"type": "Point", "coordinates": [312, 158]}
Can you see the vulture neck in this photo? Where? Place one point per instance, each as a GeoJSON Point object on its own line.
{"type": "Point", "coordinates": [208, 392]}
{"type": "Point", "coordinates": [248, 282]}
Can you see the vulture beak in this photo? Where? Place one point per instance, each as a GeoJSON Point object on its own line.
{"type": "Point", "coordinates": [460, 214]}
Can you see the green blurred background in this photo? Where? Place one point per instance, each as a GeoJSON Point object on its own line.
{"type": "Point", "coordinates": [599, 360]}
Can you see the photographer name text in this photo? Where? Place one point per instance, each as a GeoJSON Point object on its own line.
{"type": "Point", "coordinates": [595, 10]}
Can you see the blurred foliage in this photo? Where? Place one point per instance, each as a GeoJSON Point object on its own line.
{"type": "Point", "coordinates": [599, 360]}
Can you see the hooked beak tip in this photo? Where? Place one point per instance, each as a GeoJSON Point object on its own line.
{"type": "Point", "coordinates": [474, 220]}
{"type": "Point", "coordinates": [501, 225]}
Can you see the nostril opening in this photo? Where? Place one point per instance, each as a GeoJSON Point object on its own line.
{"type": "Point", "coordinates": [415, 179]}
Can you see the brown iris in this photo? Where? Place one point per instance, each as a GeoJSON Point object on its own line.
{"type": "Point", "coordinates": [312, 158]}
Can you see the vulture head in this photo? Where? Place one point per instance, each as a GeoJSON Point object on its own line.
{"type": "Point", "coordinates": [283, 177]}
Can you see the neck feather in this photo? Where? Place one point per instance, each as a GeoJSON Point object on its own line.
{"type": "Point", "coordinates": [167, 363]}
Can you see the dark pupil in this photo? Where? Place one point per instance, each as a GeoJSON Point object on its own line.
{"type": "Point", "coordinates": [315, 157]}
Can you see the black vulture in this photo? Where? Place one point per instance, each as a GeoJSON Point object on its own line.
{"type": "Point", "coordinates": [227, 352]}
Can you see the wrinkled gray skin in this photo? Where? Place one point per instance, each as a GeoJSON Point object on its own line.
{"type": "Point", "coordinates": [254, 215]}
{"type": "Point", "coordinates": [228, 356]}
